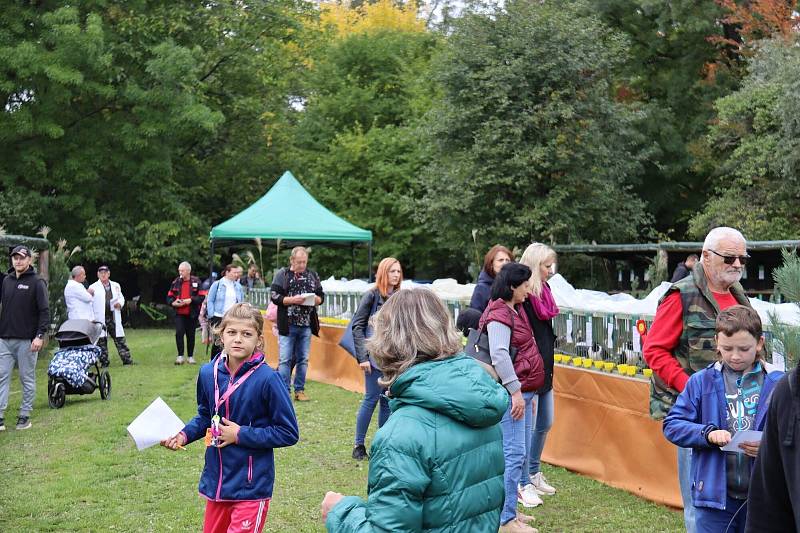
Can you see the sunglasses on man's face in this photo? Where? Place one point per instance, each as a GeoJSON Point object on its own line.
{"type": "Point", "coordinates": [731, 259]}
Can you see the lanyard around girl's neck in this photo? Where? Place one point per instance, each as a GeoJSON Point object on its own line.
{"type": "Point", "coordinates": [231, 387]}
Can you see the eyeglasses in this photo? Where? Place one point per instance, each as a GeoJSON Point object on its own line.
{"type": "Point", "coordinates": [731, 259]}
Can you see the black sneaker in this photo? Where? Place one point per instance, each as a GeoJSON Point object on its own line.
{"type": "Point", "coordinates": [128, 362]}
{"type": "Point", "coordinates": [23, 422]}
{"type": "Point", "coordinates": [2, 424]}
{"type": "Point", "coordinates": [360, 452]}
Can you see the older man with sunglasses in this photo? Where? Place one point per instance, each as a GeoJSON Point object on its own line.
{"type": "Point", "coordinates": [681, 340]}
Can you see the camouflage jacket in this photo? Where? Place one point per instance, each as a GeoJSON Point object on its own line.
{"type": "Point", "coordinates": [696, 347]}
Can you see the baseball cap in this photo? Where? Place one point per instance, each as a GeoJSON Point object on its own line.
{"type": "Point", "coordinates": [22, 250]}
{"type": "Point", "coordinates": [104, 267]}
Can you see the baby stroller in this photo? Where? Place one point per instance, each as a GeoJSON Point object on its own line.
{"type": "Point", "coordinates": [74, 368]}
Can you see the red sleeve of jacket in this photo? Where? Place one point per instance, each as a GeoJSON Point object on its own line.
{"type": "Point", "coordinates": [661, 341]}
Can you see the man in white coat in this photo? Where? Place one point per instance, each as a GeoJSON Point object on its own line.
{"type": "Point", "coordinates": [108, 302]}
{"type": "Point", "coordinates": [78, 300]}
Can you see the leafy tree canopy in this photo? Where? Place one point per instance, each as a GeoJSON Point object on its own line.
{"type": "Point", "coordinates": [121, 120]}
{"type": "Point", "coordinates": [755, 146]}
{"type": "Point", "coordinates": [529, 142]}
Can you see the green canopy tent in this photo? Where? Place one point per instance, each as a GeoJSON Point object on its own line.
{"type": "Point", "coordinates": [289, 215]}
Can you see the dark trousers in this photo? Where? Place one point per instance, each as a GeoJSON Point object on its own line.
{"type": "Point", "coordinates": [185, 326]}
{"type": "Point", "coordinates": [119, 342]}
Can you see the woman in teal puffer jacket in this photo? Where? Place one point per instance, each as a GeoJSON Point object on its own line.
{"type": "Point", "coordinates": [437, 463]}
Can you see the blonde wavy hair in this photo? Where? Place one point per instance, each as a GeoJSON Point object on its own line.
{"type": "Point", "coordinates": [246, 313]}
{"type": "Point", "coordinates": [412, 327]}
{"type": "Point", "coordinates": [533, 257]}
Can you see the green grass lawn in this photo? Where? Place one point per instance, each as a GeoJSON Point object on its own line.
{"type": "Point", "coordinates": [77, 469]}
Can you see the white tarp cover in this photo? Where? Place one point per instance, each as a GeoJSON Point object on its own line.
{"type": "Point", "coordinates": [568, 296]}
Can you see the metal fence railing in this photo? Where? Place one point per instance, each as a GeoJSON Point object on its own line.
{"type": "Point", "coordinates": [343, 305]}
{"type": "Point", "coordinates": [591, 336]}
{"type": "Point", "coordinates": [257, 297]}
{"type": "Point", "coordinates": [606, 337]}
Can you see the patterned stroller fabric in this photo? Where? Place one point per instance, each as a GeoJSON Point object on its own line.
{"type": "Point", "coordinates": [71, 363]}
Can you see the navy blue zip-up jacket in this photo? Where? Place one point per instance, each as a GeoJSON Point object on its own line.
{"type": "Point", "coordinates": [261, 406]}
{"type": "Point", "coordinates": [702, 407]}
{"type": "Point", "coordinates": [26, 311]}
{"type": "Point", "coordinates": [482, 291]}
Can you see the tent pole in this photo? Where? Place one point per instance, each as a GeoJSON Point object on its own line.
{"type": "Point", "coordinates": [211, 260]}
{"type": "Point", "coordinates": [353, 258]}
{"type": "Point", "coordinates": [369, 263]}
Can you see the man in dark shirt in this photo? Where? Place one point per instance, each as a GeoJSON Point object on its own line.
{"type": "Point", "coordinates": [684, 268]}
{"type": "Point", "coordinates": [23, 325]}
{"type": "Point", "coordinates": [297, 292]}
{"type": "Point", "coordinates": [774, 495]}
{"type": "Point", "coordinates": [252, 280]}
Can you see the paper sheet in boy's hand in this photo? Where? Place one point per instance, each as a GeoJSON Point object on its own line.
{"type": "Point", "coordinates": [747, 435]}
{"type": "Point", "coordinates": [155, 424]}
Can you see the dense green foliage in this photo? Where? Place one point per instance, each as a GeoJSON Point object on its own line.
{"type": "Point", "coordinates": [359, 136]}
{"type": "Point", "coordinates": [527, 119]}
{"type": "Point", "coordinates": [124, 121]}
{"type": "Point", "coordinates": [674, 73]}
{"type": "Point", "coordinates": [756, 150]}
{"type": "Point", "coordinates": [132, 127]}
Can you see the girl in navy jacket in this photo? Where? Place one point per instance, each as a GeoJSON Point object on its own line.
{"type": "Point", "coordinates": [243, 411]}
{"type": "Point", "coordinates": [724, 398]}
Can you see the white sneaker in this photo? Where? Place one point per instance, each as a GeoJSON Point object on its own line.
{"type": "Point", "coordinates": [191, 361]}
{"type": "Point", "coordinates": [541, 485]}
{"type": "Point", "coordinates": [527, 496]}
{"type": "Point", "coordinates": [179, 360]}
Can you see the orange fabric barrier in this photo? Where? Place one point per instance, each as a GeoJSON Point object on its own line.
{"type": "Point", "coordinates": [602, 427]}
{"type": "Point", "coordinates": [327, 362]}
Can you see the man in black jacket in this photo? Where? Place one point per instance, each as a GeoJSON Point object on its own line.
{"type": "Point", "coordinates": [297, 292]}
{"type": "Point", "coordinates": [773, 501]}
{"type": "Point", "coordinates": [23, 324]}
{"type": "Point", "coordinates": [684, 268]}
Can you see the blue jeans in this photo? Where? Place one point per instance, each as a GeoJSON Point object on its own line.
{"type": "Point", "coordinates": [293, 349]}
{"type": "Point", "coordinates": [718, 521]}
{"type": "Point", "coordinates": [372, 395]}
{"type": "Point", "coordinates": [685, 480]}
{"type": "Point", "coordinates": [516, 443]}
{"type": "Point", "coordinates": [543, 416]}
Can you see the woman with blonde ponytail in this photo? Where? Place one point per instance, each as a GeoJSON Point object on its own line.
{"type": "Point", "coordinates": [540, 308]}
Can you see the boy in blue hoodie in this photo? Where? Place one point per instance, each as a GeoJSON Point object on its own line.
{"type": "Point", "coordinates": [724, 398]}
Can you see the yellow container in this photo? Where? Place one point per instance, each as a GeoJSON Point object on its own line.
{"type": "Point", "coordinates": [559, 357]}
{"type": "Point", "coordinates": [608, 367]}
{"type": "Point", "coordinates": [632, 370]}
{"type": "Point", "coordinates": [622, 369]}
{"type": "Point", "coordinates": [577, 361]}
{"type": "Point", "coordinates": [647, 372]}
{"type": "Point", "coordinates": [598, 364]}
{"type": "Point", "coordinates": [587, 363]}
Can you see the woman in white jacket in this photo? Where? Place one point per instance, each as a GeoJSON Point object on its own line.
{"type": "Point", "coordinates": [108, 302]}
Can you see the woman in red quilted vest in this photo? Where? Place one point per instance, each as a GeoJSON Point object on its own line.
{"type": "Point", "coordinates": [519, 367]}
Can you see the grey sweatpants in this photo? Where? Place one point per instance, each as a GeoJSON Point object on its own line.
{"type": "Point", "coordinates": [18, 351]}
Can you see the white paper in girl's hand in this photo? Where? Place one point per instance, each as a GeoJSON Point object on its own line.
{"type": "Point", "coordinates": [156, 423]}
{"type": "Point", "coordinates": [310, 298]}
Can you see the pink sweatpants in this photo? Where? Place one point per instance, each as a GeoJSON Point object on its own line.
{"type": "Point", "coordinates": [235, 517]}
